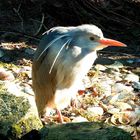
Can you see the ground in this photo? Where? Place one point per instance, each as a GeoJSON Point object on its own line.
{"type": "Point", "coordinates": [110, 91]}
{"type": "Point", "coordinates": [112, 86]}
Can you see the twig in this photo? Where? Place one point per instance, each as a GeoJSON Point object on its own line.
{"type": "Point", "coordinates": [17, 12]}
{"type": "Point", "coordinates": [125, 18]}
{"type": "Point", "coordinates": [25, 35]}
{"type": "Point", "coordinates": [125, 54]}
{"type": "Point", "coordinates": [72, 4]}
{"type": "Point", "coordinates": [3, 103]}
{"type": "Point", "coordinates": [9, 44]}
{"type": "Point", "coordinates": [41, 24]}
{"type": "Point", "coordinates": [19, 6]}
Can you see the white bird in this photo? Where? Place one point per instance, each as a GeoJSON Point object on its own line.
{"type": "Point", "coordinates": [62, 59]}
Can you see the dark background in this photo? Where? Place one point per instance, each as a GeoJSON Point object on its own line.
{"type": "Point", "coordinates": [26, 20]}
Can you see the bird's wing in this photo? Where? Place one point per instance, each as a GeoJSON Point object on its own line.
{"type": "Point", "coordinates": [50, 37]}
{"type": "Point", "coordinates": [65, 44]}
{"type": "Point", "coordinates": [44, 83]}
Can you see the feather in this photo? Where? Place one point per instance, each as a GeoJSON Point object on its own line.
{"type": "Point", "coordinates": [66, 43]}
{"type": "Point", "coordinates": [50, 45]}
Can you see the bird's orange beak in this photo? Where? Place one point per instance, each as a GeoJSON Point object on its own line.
{"type": "Point", "coordinates": [111, 42]}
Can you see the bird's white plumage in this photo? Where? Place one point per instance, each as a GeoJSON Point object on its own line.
{"type": "Point", "coordinates": [87, 28]}
{"type": "Point", "coordinates": [64, 56]}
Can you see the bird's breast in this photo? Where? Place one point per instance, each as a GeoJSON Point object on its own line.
{"type": "Point", "coordinates": [69, 78]}
{"type": "Point", "coordinates": [71, 70]}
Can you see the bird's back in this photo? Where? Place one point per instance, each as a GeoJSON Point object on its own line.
{"type": "Point", "coordinates": [59, 67]}
{"type": "Point", "coordinates": [45, 84]}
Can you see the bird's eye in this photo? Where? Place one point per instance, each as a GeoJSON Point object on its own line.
{"type": "Point", "coordinates": [92, 38]}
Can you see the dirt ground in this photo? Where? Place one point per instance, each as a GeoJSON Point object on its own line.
{"type": "Point", "coordinates": [26, 20]}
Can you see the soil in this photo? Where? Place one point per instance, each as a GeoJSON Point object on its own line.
{"type": "Point", "coordinates": [25, 21]}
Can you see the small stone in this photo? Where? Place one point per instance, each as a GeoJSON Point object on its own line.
{"type": "Point", "coordinates": [106, 88]}
{"type": "Point", "coordinates": [86, 82]}
{"type": "Point", "coordinates": [96, 110]}
{"type": "Point", "coordinates": [116, 66]}
{"type": "Point", "coordinates": [79, 119]}
{"type": "Point", "coordinates": [115, 73]}
{"type": "Point", "coordinates": [1, 53]}
{"type": "Point", "coordinates": [121, 97]}
{"type": "Point", "coordinates": [28, 90]}
{"type": "Point", "coordinates": [25, 68]}
{"type": "Point", "coordinates": [130, 61]}
{"type": "Point", "coordinates": [134, 116]}
{"type": "Point", "coordinates": [131, 77]}
{"type": "Point", "coordinates": [29, 51]}
{"type": "Point", "coordinates": [73, 114]}
{"type": "Point", "coordinates": [13, 88]}
{"type": "Point", "coordinates": [6, 75]}
{"type": "Point", "coordinates": [100, 67]}
{"type": "Point", "coordinates": [117, 78]}
{"type": "Point", "coordinates": [118, 87]}
{"type": "Point", "coordinates": [136, 85]}
{"type": "Point", "coordinates": [123, 106]}
{"type": "Point", "coordinates": [113, 110]}
{"type": "Point", "coordinates": [113, 99]}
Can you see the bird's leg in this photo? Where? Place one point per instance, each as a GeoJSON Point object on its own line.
{"type": "Point", "coordinates": [74, 103]}
{"type": "Point", "coordinates": [59, 116]}
{"type": "Point", "coordinates": [45, 115]}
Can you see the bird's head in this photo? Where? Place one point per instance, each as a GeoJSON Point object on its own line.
{"type": "Point", "coordinates": [91, 37]}
{"type": "Point", "coordinates": [86, 37]}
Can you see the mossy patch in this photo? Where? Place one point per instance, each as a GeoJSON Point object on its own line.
{"type": "Point", "coordinates": [12, 109]}
{"type": "Point", "coordinates": [7, 65]}
{"type": "Point", "coordinates": [24, 126]}
{"type": "Point", "coordinates": [84, 131]}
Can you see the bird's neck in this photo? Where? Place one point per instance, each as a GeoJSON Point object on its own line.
{"type": "Point", "coordinates": [79, 53]}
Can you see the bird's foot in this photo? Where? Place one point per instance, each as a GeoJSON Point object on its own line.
{"type": "Point", "coordinates": [65, 119]}
{"type": "Point", "coordinates": [61, 118]}
{"type": "Point", "coordinates": [46, 120]}
{"type": "Point", "coordinates": [46, 116]}
{"type": "Point", "coordinates": [58, 118]}
{"type": "Point", "coordinates": [74, 103]}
